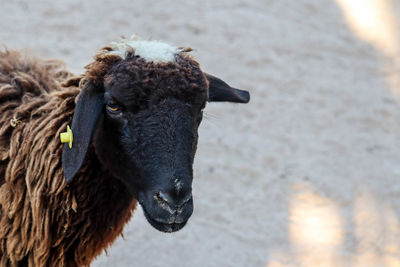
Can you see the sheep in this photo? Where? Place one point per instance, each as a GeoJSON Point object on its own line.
{"type": "Point", "coordinates": [134, 115]}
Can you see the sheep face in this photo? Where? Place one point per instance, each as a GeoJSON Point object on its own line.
{"type": "Point", "coordinates": [156, 148]}
{"type": "Point", "coordinates": [148, 135]}
{"type": "Point", "coordinates": [142, 119]}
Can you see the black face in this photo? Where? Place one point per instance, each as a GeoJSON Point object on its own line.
{"type": "Point", "coordinates": [142, 119]}
{"type": "Point", "coordinates": [152, 150]}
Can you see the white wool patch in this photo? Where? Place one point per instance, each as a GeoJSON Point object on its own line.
{"type": "Point", "coordinates": [151, 51]}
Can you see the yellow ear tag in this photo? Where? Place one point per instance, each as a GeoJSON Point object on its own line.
{"type": "Point", "coordinates": [67, 137]}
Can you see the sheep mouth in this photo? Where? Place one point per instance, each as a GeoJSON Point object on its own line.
{"type": "Point", "coordinates": [163, 226]}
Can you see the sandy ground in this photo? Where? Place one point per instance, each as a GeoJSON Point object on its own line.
{"type": "Point", "coordinates": [308, 173]}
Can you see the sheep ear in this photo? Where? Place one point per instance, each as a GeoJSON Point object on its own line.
{"type": "Point", "coordinates": [86, 115]}
{"type": "Point", "coordinates": [220, 91]}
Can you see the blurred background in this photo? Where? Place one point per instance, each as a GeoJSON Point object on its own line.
{"type": "Point", "coordinates": [308, 173]}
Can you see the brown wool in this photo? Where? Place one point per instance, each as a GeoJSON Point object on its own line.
{"type": "Point", "coordinates": [44, 221]}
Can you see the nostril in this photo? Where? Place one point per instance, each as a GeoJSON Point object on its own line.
{"type": "Point", "coordinates": [163, 202]}
{"type": "Point", "coordinates": [161, 198]}
{"type": "Point", "coordinates": [185, 200]}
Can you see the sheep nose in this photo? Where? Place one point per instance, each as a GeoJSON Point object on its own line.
{"type": "Point", "coordinates": [175, 203]}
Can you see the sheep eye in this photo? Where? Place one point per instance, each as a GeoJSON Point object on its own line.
{"type": "Point", "coordinates": [113, 108]}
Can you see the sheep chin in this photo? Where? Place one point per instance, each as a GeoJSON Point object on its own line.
{"type": "Point", "coordinates": [163, 227]}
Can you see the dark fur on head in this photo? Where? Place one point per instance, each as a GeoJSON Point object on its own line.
{"type": "Point", "coordinates": [143, 82]}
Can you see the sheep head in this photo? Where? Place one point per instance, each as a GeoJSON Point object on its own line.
{"type": "Point", "coordinates": [141, 108]}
